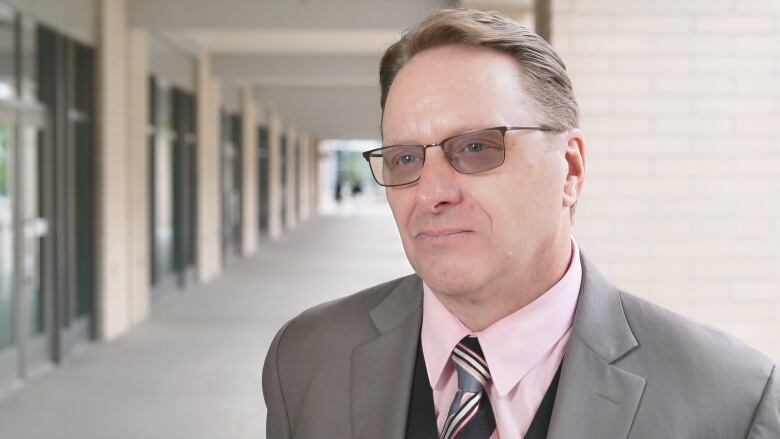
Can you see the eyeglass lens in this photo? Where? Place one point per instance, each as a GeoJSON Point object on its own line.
{"type": "Point", "coordinates": [468, 153]}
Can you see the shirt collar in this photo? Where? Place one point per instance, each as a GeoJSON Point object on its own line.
{"type": "Point", "coordinates": [536, 328]}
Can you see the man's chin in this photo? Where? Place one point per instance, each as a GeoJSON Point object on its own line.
{"type": "Point", "coordinates": [451, 271]}
{"type": "Point", "coordinates": [454, 282]}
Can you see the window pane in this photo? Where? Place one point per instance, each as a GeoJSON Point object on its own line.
{"type": "Point", "coordinates": [163, 227]}
{"type": "Point", "coordinates": [7, 58]}
{"type": "Point", "coordinates": [6, 238]}
{"type": "Point", "coordinates": [30, 203]}
{"type": "Point", "coordinates": [163, 181]}
{"type": "Point", "coordinates": [29, 60]}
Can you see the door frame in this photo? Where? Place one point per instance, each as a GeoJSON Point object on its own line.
{"type": "Point", "coordinates": [10, 357]}
{"type": "Point", "coordinates": [36, 348]}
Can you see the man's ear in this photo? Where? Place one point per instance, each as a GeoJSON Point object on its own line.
{"type": "Point", "coordinates": [574, 154]}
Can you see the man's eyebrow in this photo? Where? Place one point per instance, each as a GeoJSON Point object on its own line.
{"type": "Point", "coordinates": [386, 143]}
{"type": "Point", "coordinates": [450, 132]}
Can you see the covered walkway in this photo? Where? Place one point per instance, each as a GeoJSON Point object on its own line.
{"type": "Point", "coordinates": [192, 370]}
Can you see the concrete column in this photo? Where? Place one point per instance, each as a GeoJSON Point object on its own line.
{"type": "Point", "coordinates": [215, 174]}
{"type": "Point", "coordinates": [291, 185]}
{"type": "Point", "coordinates": [112, 172]}
{"type": "Point", "coordinates": [315, 176]}
{"type": "Point", "coordinates": [312, 152]}
{"type": "Point", "coordinates": [249, 171]}
{"type": "Point", "coordinates": [209, 209]}
{"type": "Point", "coordinates": [274, 175]}
{"type": "Point", "coordinates": [138, 185]}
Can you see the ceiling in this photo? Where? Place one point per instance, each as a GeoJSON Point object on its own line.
{"type": "Point", "coordinates": [316, 61]}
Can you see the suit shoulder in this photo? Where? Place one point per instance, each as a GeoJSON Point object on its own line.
{"type": "Point", "coordinates": [344, 317]}
{"type": "Point", "coordinates": [672, 336]}
{"type": "Point", "coordinates": [692, 365]}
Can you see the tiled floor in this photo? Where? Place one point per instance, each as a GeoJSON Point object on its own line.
{"type": "Point", "coordinates": [192, 370]}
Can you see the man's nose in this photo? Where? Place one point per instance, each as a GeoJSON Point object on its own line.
{"type": "Point", "coordinates": [438, 185]}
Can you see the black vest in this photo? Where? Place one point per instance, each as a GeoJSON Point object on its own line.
{"type": "Point", "coordinates": [421, 420]}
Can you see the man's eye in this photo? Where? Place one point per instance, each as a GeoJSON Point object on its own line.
{"type": "Point", "coordinates": [474, 147]}
{"type": "Point", "coordinates": [406, 159]}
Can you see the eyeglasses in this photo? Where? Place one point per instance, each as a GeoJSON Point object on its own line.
{"type": "Point", "coordinates": [468, 153]}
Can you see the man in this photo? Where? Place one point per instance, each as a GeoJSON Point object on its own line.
{"type": "Point", "coordinates": [506, 330]}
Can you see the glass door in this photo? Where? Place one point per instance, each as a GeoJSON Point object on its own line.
{"type": "Point", "coordinates": [25, 336]}
{"type": "Point", "coordinates": [67, 181]}
{"type": "Point", "coordinates": [283, 184]}
{"type": "Point", "coordinates": [231, 186]}
{"type": "Point", "coordinates": [237, 187]}
{"type": "Point", "coordinates": [262, 180]}
{"type": "Point", "coordinates": [24, 304]}
{"type": "Point", "coordinates": [296, 152]}
{"type": "Point", "coordinates": [34, 229]}
{"type": "Point", "coordinates": [8, 328]}
{"type": "Point", "coordinates": [9, 359]}
{"type": "Point", "coordinates": [163, 197]}
{"type": "Point", "coordinates": [173, 180]}
{"type": "Point", "coordinates": [173, 177]}
{"type": "Point", "coordinates": [76, 210]}
{"type": "Point", "coordinates": [47, 202]}
{"type": "Point", "coordinates": [184, 184]}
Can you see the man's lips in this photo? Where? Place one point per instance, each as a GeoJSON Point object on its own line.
{"type": "Point", "coordinates": [441, 233]}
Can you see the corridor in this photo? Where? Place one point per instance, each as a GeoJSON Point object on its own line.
{"type": "Point", "coordinates": [192, 370]}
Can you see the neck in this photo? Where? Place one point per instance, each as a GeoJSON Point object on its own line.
{"type": "Point", "coordinates": [481, 308]}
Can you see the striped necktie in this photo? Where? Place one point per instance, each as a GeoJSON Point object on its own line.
{"type": "Point", "coordinates": [470, 415]}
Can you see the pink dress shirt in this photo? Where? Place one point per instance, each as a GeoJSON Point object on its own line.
{"type": "Point", "coordinates": [523, 351]}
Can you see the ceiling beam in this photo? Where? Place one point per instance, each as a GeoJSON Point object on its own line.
{"type": "Point", "coordinates": [325, 67]}
{"type": "Point", "coordinates": [280, 14]}
{"type": "Point", "coordinates": [290, 41]}
{"type": "Point", "coordinates": [329, 112]}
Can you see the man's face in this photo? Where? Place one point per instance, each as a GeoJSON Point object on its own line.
{"type": "Point", "coordinates": [460, 232]}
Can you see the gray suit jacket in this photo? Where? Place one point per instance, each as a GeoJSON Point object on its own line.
{"type": "Point", "coordinates": [631, 370]}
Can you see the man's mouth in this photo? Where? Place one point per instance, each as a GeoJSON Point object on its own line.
{"type": "Point", "coordinates": [442, 234]}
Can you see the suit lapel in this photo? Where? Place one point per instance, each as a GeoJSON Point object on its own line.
{"type": "Point", "coordinates": [597, 399]}
{"type": "Point", "coordinates": [382, 367]}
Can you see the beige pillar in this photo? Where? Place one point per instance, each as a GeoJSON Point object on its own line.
{"type": "Point", "coordinates": [274, 175]}
{"type": "Point", "coordinates": [315, 176]}
{"type": "Point", "coordinates": [209, 243]}
{"type": "Point", "coordinates": [113, 227]}
{"type": "Point", "coordinates": [249, 171]}
{"type": "Point", "coordinates": [291, 183]}
{"type": "Point", "coordinates": [138, 185]}
{"type": "Point", "coordinates": [215, 184]}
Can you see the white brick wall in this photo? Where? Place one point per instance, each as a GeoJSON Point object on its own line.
{"type": "Point", "coordinates": [681, 110]}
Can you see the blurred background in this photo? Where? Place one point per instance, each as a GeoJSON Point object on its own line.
{"type": "Point", "coordinates": [178, 178]}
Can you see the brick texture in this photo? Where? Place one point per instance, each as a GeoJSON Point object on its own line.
{"type": "Point", "coordinates": [680, 104]}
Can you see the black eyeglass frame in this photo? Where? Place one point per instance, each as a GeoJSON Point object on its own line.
{"type": "Point", "coordinates": [503, 129]}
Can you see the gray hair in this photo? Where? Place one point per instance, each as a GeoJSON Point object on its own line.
{"type": "Point", "coordinates": [545, 79]}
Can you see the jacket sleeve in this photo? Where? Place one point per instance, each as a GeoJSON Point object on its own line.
{"type": "Point", "coordinates": [766, 420]}
{"type": "Point", "coordinates": [277, 423]}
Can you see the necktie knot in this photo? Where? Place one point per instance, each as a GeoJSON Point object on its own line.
{"type": "Point", "coordinates": [470, 364]}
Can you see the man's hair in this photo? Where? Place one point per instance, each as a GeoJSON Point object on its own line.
{"type": "Point", "coordinates": [545, 78]}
